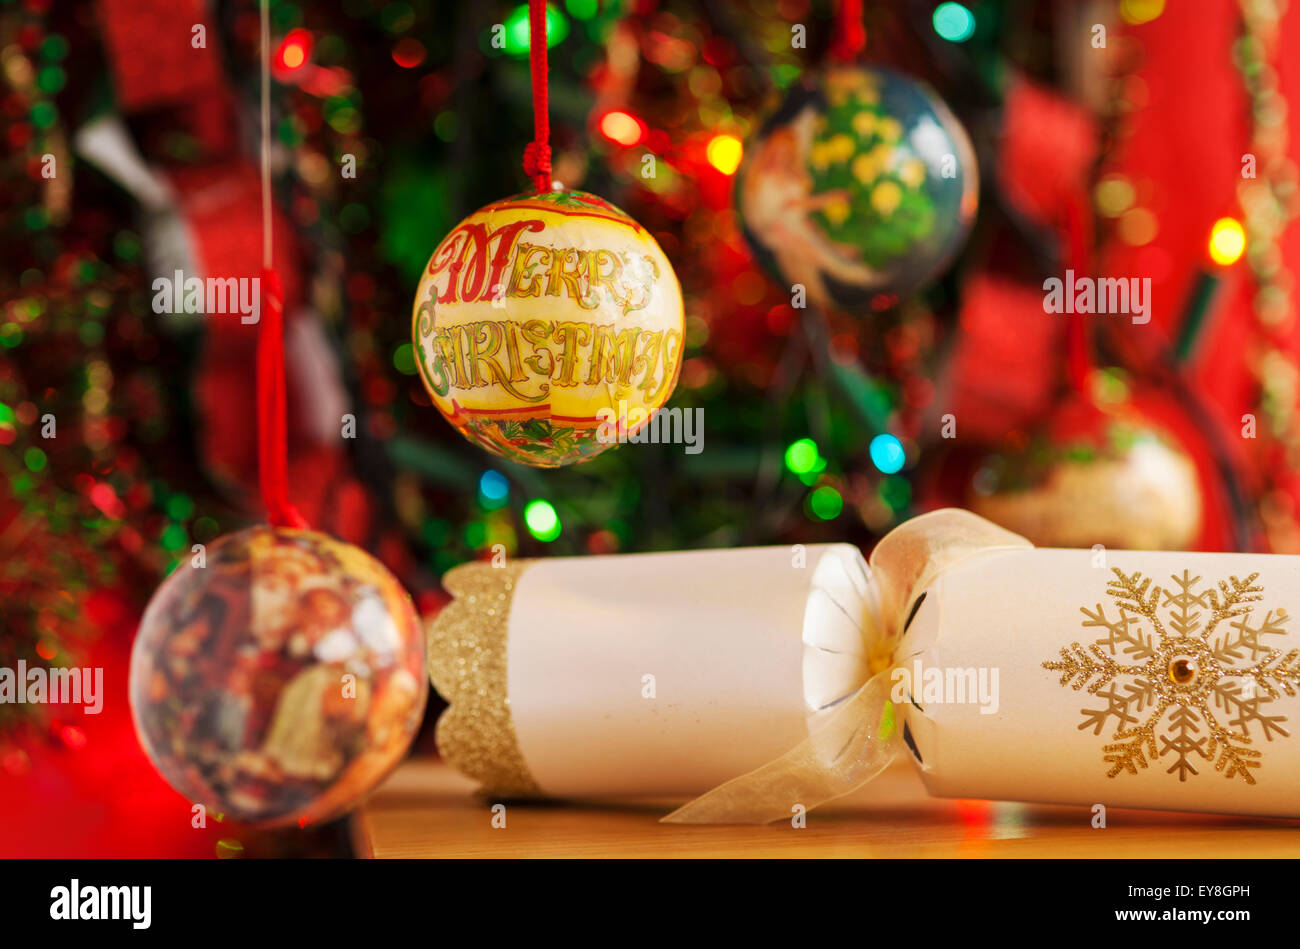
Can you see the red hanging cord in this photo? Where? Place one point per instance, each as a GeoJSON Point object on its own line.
{"type": "Point", "coordinates": [273, 436]}
{"type": "Point", "coordinates": [537, 154]}
{"type": "Point", "coordinates": [850, 34]}
{"type": "Point", "coordinates": [272, 430]}
{"type": "Point", "coordinates": [1078, 340]}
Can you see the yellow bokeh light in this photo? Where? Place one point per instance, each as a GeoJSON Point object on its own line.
{"type": "Point", "coordinates": [1114, 195]}
{"type": "Point", "coordinates": [1137, 12]}
{"type": "Point", "coordinates": [1137, 227]}
{"type": "Point", "coordinates": [1227, 241]}
{"type": "Point", "coordinates": [724, 153]}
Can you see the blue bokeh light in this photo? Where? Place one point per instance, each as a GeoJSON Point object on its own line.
{"type": "Point", "coordinates": [887, 453]}
{"type": "Point", "coordinates": [493, 486]}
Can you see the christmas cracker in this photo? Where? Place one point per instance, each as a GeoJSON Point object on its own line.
{"type": "Point", "coordinates": [758, 679]}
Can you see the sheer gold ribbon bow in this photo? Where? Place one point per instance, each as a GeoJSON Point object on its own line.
{"type": "Point", "coordinates": [863, 735]}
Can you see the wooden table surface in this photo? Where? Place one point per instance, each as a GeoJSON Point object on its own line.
{"type": "Point", "coordinates": [427, 810]}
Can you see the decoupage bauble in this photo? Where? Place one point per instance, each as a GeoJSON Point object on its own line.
{"type": "Point", "coordinates": [1123, 484]}
{"type": "Point", "coordinates": [547, 326]}
{"type": "Point", "coordinates": [278, 676]}
{"type": "Point", "coordinates": [861, 187]}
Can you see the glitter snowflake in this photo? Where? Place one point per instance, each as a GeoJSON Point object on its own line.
{"type": "Point", "coordinates": [1174, 689]}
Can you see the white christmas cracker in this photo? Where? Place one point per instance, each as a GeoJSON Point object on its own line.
{"type": "Point", "coordinates": [763, 678]}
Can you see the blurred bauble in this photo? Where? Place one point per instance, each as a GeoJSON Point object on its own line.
{"type": "Point", "coordinates": [861, 187]}
{"type": "Point", "coordinates": [548, 326]}
{"type": "Point", "coordinates": [278, 676]}
{"type": "Point", "coordinates": [1109, 478]}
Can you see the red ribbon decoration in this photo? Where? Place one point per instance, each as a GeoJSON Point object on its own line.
{"type": "Point", "coordinates": [272, 430]}
{"type": "Point", "coordinates": [537, 154]}
{"type": "Point", "coordinates": [850, 34]}
{"type": "Point", "coordinates": [1078, 340]}
{"type": "Point", "coordinates": [273, 438]}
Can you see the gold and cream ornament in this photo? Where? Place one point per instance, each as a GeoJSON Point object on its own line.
{"type": "Point", "coordinates": [758, 679]}
{"type": "Point", "coordinates": [548, 326]}
{"type": "Point", "coordinates": [1094, 474]}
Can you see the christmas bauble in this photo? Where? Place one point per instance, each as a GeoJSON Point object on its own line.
{"type": "Point", "coordinates": [1117, 480]}
{"type": "Point", "coordinates": [278, 676]}
{"type": "Point", "coordinates": [860, 188]}
{"type": "Point", "coordinates": [548, 327]}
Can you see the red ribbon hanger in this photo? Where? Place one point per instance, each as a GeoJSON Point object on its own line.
{"type": "Point", "coordinates": [537, 154]}
{"type": "Point", "coordinates": [272, 429]}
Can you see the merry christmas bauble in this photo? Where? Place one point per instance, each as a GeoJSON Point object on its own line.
{"type": "Point", "coordinates": [548, 327]}
{"type": "Point", "coordinates": [860, 188]}
{"type": "Point", "coordinates": [278, 676]}
{"type": "Point", "coordinates": [1115, 479]}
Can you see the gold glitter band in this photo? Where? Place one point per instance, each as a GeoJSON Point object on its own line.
{"type": "Point", "coordinates": [467, 663]}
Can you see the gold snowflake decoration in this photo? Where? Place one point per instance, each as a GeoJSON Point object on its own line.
{"type": "Point", "coordinates": [1178, 690]}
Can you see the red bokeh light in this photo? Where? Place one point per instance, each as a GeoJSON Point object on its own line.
{"type": "Point", "coordinates": [622, 128]}
{"type": "Point", "coordinates": [294, 51]}
{"type": "Point", "coordinates": [408, 53]}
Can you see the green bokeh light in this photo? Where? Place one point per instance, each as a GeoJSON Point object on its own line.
{"type": "Point", "coordinates": [542, 520]}
{"type": "Point", "coordinates": [582, 9]}
{"type": "Point", "coordinates": [180, 507]}
{"type": "Point", "coordinates": [445, 126]}
{"type": "Point", "coordinates": [954, 22]}
{"type": "Point", "coordinates": [51, 79]}
{"type": "Point", "coordinates": [826, 503]}
{"type": "Point", "coordinates": [801, 456]}
{"type": "Point", "coordinates": [44, 115]}
{"type": "Point", "coordinates": [55, 47]}
{"type": "Point", "coordinates": [517, 40]}
{"type": "Point", "coordinates": [173, 538]}
{"type": "Point", "coordinates": [126, 245]}
{"type": "Point", "coordinates": [404, 359]}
